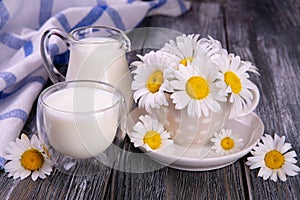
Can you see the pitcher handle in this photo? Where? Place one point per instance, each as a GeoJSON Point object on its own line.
{"type": "Point", "coordinates": [52, 71]}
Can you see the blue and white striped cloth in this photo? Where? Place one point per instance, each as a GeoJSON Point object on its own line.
{"type": "Point", "coordinates": [21, 24]}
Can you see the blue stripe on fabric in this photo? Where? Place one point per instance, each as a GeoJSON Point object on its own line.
{"type": "Point", "coordinates": [28, 48]}
{"type": "Point", "coordinates": [92, 16]}
{"type": "Point", "coordinates": [61, 59]}
{"type": "Point", "coordinates": [63, 21]}
{"type": "Point", "coordinates": [16, 113]}
{"type": "Point", "coordinates": [4, 15]}
{"type": "Point", "coordinates": [12, 41]}
{"type": "Point", "coordinates": [53, 49]}
{"type": "Point", "coordinates": [101, 2]}
{"type": "Point", "coordinates": [158, 4]}
{"type": "Point", "coordinates": [130, 1]}
{"type": "Point", "coordinates": [58, 58]}
{"type": "Point", "coordinates": [114, 15]}
{"type": "Point", "coordinates": [45, 11]}
{"type": "Point", "coordinates": [2, 163]}
{"type": "Point", "coordinates": [182, 6]}
{"type": "Point", "coordinates": [8, 77]}
{"type": "Point", "coordinates": [31, 79]}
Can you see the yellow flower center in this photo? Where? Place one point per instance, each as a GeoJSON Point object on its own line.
{"type": "Point", "coordinates": [153, 139]}
{"type": "Point", "coordinates": [32, 159]}
{"type": "Point", "coordinates": [154, 81]}
{"type": "Point", "coordinates": [274, 159]}
{"type": "Point", "coordinates": [227, 143]}
{"type": "Point", "coordinates": [197, 87]}
{"type": "Point", "coordinates": [185, 61]}
{"type": "Point", "coordinates": [233, 81]}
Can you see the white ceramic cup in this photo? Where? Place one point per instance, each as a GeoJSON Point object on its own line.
{"type": "Point", "coordinates": [186, 130]}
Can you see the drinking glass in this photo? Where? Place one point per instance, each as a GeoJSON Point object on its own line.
{"type": "Point", "coordinates": [81, 124]}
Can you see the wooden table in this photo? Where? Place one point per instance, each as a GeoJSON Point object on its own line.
{"type": "Point", "coordinates": [266, 32]}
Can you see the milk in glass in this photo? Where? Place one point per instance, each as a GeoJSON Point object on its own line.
{"type": "Point", "coordinates": [81, 122]}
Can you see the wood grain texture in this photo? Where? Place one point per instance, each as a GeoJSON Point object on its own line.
{"type": "Point", "coordinates": [57, 186]}
{"type": "Point", "coordinates": [267, 33]}
{"type": "Point", "coordinates": [263, 32]}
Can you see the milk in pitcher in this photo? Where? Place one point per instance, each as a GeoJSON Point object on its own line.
{"type": "Point", "coordinates": [101, 59]}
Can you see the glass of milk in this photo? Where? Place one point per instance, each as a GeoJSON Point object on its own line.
{"type": "Point", "coordinates": [81, 123]}
{"type": "Point", "coordinates": [96, 53]}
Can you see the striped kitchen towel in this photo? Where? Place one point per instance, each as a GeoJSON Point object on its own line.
{"type": "Point", "coordinates": [22, 23]}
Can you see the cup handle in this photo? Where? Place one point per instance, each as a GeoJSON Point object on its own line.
{"type": "Point", "coordinates": [53, 73]}
{"type": "Point", "coordinates": [248, 109]}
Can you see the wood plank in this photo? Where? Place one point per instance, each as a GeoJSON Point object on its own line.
{"type": "Point", "coordinates": [225, 183]}
{"type": "Point", "coordinates": [267, 33]}
{"type": "Point", "coordinates": [204, 19]}
{"type": "Point", "coordinates": [134, 176]}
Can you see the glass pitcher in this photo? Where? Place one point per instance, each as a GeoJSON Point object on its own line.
{"type": "Point", "coordinates": [96, 53]}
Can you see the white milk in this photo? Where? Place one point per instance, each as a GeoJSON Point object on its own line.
{"type": "Point", "coordinates": [104, 60]}
{"type": "Point", "coordinates": [85, 133]}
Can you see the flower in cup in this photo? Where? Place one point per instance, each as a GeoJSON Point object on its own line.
{"type": "Point", "coordinates": [197, 87]}
{"type": "Point", "coordinates": [150, 134]}
{"type": "Point", "coordinates": [150, 82]}
{"type": "Point", "coordinates": [197, 74]}
{"type": "Point", "coordinates": [184, 49]}
{"type": "Point", "coordinates": [187, 48]}
{"type": "Point", "coordinates": [272, 157]}
{"type": "Point", "coordinates": [27, 157]}
{"type": "Point", "coordinates": [226, 143]}
{"type": "Point", "coordinates": [236, 77]}
{"type": "Point", "coordinates": [211, 46]}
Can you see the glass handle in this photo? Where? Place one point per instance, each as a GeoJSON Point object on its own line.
{"type": "Point", "coordinates": [52, 71]}
{"type": "Point", "coordinates": [126, 44]}
{"type": "Point", "coordinates": [122, 119]}
{"type": "Point", "coordinates": [123, 114]}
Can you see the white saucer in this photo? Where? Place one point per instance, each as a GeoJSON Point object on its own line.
{"type": "Point", "coordinates": [202, 158]}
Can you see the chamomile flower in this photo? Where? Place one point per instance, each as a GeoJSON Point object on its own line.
{"type": "Point", "coordinates": [273, 159]}
{"type": "Point", "coordinates": [150, 81]}
{"type": "Point", "coordinates": [150, 134]}
{"type": "Point", "coordinates": [184, 50]}
{"type": "Point", "coordinates": [196, 87]}
{"type": "Point", "coordinates": [236, 77]}
{"type": "Point", "coordinates": [27, 157]}
{"type": "Point", "coordinates": [226, 143]}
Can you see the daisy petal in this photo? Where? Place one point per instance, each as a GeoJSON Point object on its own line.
{"type": "Point", "coordinates": [285, 147]}
{"type": "Point", "coordinates": [273, 176]}
{"type": "Point", "coordinates": [281, 175]}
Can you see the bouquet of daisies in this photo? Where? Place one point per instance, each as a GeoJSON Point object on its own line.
{"type": "Point", "coordinates": [197, 74]}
